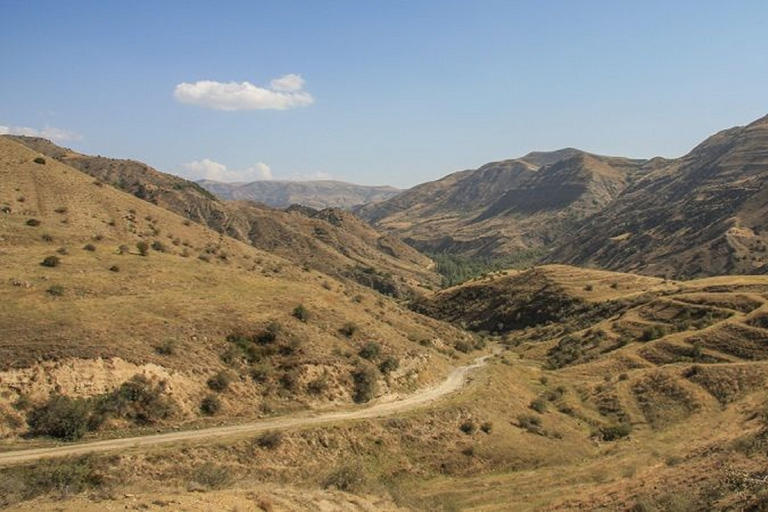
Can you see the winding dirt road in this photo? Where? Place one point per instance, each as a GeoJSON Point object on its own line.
{"type": "Point", "coordinates": [454, 381]}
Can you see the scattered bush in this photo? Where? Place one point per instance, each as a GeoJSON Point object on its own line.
{"type": "Point", "coordinates": [64, 476]}
{"type": "Point", "coordinates": [33, 222]}
{"type": "Point", "coordinates": [614, 432]}
{"type": "Point", "coordinates": [301, 313]}
{"type": "Point", "coordinates": [212, 476]}
{"type": "Point", "coordinates": [530, 423]}
{"type": "Point", "coordinates": [61, 417]}
{"type": "Point", "coordinates": [270, 440]}
{"type": "Point", "coordinates": [158, 246]}
{"type": "Point", "coordinates": [89, 247]}
{"type": "Point", "coordinates": [167, 348]}
{"type": "Point", "coordinates": [114, 268]}
{"type": "Point", "coordinates": [349, 478]}
{"type": "Point", "coordinates": [220, 382]}
{"type": "Point", "coordinates": [39, 160]}
{"type": "Point", "coordinates": [348, 329]}
{"type": "Point", "coordinates": [138, 400]}
{"type": "Point", "coordinates": [539, 405]}
{"type": "Point", "coordinates": [318, 386]}
{"type": "Point", "coordinates": [56, 290]}
{"type": "Point", "coordinates": [51, 261]}
{"type": "Point", "coordinates": [143, 247]}
{"type": "Point", "coordinates": [468, 427]}
{"type": "Point", "coordinates": [389, 364]}
{"type": "Point", "coordinates": [370, 351]}
{"type": "Point", "coordinates": [486, 427]}
{"type": "Point", "coordinates": [365, 385]}
{"type": "Point", "coordinates": [210, 405]}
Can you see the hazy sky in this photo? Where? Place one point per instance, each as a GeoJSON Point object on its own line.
{"type": "Point", "coordinates": [377, 92]}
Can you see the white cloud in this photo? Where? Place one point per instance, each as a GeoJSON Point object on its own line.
{"type": "Point", "coordinates": [283, 93]}
{"type": "Point", "coordinates": [209, 170]}
{"type": "Point", "coordinates": [49, 132]}
{"type": "Point", "coordinates": [290, 83]}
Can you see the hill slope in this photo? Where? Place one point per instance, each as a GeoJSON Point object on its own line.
{"type": "Point", "coordinates": [332, 241]}
{"type": "Point", "coordinates": [504, 207]}
{"type": "Point", "coordinates": [98, 286]}
{"type": "Point", "coordinates": [315, 194]}
{"type": "Point", "coordinates": [701, 215]}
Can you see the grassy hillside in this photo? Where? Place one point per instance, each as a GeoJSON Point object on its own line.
{"type": "Point", "coordinates": [98, 286]}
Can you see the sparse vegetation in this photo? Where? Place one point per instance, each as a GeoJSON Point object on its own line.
{"type": "Point", "coordinates": [51, 261]}
{"type": "Point", "coordinates": [220, 381]}
{"type": "Point", "coordinates": [210, 405]}
{"type": "Point", "coordinates": [142, 247]}
{"type": "Point", "coordinates": [33, 223]}
{"type": "Point", "coordinates": [61, 417]}
{"type": "Point", "coordinates": [365, 383]}
{"type": "Point", "coordinates": [300, 312]}
{"type": "Point", "coordinates": [370, 351]}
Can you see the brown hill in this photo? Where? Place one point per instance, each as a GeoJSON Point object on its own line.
{"type": "Point", "coordinates": [333, 242]}
{"type": "Point", "coordinates": [315, 194]}
{"type": "Point", "coordinates": [98, 286]}
{"type": "Point", "coordinates": [505, 208]}
{"type": "Point", "coordinates": [701, 215]}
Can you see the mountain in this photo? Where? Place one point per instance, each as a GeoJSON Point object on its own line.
{"type": "Point", "coordinates": [507, 207]}
{"type": "Point", "coordinates": [700, 215]}
{"type": "Point", "coordinates": [331, 241]}
{"type": "Point", "coordinates": [315, 194]}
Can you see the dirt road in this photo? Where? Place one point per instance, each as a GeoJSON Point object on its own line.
{"type": "Point", "coordinates": [454, 381]}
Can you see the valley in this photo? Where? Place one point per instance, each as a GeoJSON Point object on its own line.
{"type": "Point", "coordinates": [166, 349]}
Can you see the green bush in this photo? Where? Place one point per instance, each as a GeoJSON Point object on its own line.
{"type": "Point", "coordinates": [348, 329]}
{"type": "Point", "coordinates": [33, 222]}
{"type": "Point", "coordinates": [220, 382]}
{"type": "Point", "coordinates": [210, 405]}
{"type": "Point", "coordinates": [51, 261]}
{"type": "Point", "coordinates": [301, 313]}
{"type": "Point", "coordinates": [389, 364]}
{"type": "Point", "coordinates": [270, 440]}
{"type": "Point", "coordinates": [365, 385]}
{"type": "Point", "coordinates": [63, 476]}
{"type": "Point", "coordinates": [143, 247]}
{"type": "Point", "coordinates": [468, 427]}
{"type": "Point", "coordinates": [61, 417]}
{"type": "Point", "coordinates": [158, 246]}
{"type": "Point", "coordinates": [137, 400]}
{"type": "Point", "coordinates": [39, 160]}
{"type": "Point", "coordinates": [370, 351]}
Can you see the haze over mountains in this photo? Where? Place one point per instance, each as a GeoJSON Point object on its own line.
{"type": "Point", "coordinates": [315, 194]}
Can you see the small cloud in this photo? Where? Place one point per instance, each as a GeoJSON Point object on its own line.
{"type": "Point", "coordinates": [283, 93]}
{"type": "Point", "coordinates": [207, 169]}
{"type": "Point", "coordinates": [49, 132]}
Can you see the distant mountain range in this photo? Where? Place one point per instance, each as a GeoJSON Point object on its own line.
{"type": "Point", "coordinates": [702, 214]}
{"type": "Point", "coordinates": [315, 194]}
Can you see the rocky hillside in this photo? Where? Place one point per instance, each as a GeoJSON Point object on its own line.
{"type": "Point", "coordinates": [507, 207]}
{"type": "Point", "coordinates": [332, 241]}
{"type": "Point", "coordinates": [704, 214]}
{"type": "Point", "coordinates": [315, 194]}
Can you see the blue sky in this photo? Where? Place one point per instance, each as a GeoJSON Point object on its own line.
{"type": "Point", "coordinates": [377, 92]}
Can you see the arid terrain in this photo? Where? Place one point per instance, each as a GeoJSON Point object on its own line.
{"type": "Point", "coordinates": [166, 350]}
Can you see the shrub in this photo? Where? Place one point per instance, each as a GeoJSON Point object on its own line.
{"type": "Point", "coordinates": [158, 246]}
{"type": "Point", "coordinates": [370, 351]}
{"type": "Point", "coordinates": [114, 268]}
{"type": "Point", "coordinates": [269, 334]}
{"type": "Point", "coordinates": [614, 432]}
{"type": "Point", "coordinates": [167, 348]}
{"type": "Point", "coordinates": [348, 329]}
{"type": "Point", "coordinates": [220, 381]}
{"type": "Point", "coordinates": [51, 261]}
{"type": "Point", "coordinates": [210, 405]}
{"type": "Point", "coordinates": [56, 290]}
{"type": "Point", "coordinates": [468, 427]}
{"type": "Point", "coordinates": [350, 478]}
{"type": "Point", "coordinates": [143, 247]}
{"type": "Point", "coordinates": [318, 386]}
{"type": "Point", "coordinates": [301, 313]}
{"type": "Point", "coordinates": [33, 222]}
{"type": "Point", "coordinates": [389, 364]}
{"type": "Point", "coordinates": [539, 405]}
{"type": "Point", "coordinates": [39, 160]}
{"type": "Point", "coordinates": [365, 385]}
{"type": "Point", "coordinates": [530, 423]}
{"type": "Point", "coordinates": [212, 476]}
{"type": "Point", "coordinates": [270, 440]}
{"type": "Point", "coordinates": [61, 417]}
{"type": "Point", "coordinates": [138, 400]}
{"type": "Point", "coordinates": [47, 238]}
{"type": "Point", "coordinates": [486, 427]}
{"type": "Point", "coordinates": [63, 476]}
{"type": "Point", "coordinates": [89, 247]}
